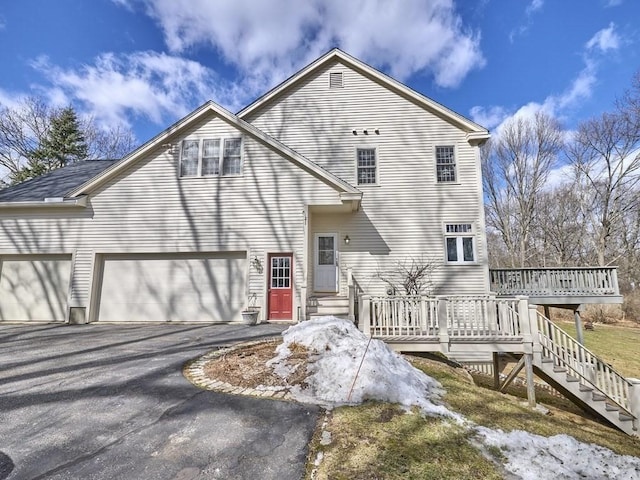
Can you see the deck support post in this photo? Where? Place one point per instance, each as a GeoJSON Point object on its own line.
{"type": "Point", "coordinates": [547, 312]}
{"type": "Point", "coordinates": [578, 320]}
{"type": "Point", "coordinates": [352, 295]}
{"type": "Point", "coordinates": [496, 371]}
{"type": "Point", "coordinates": [364, 320]}
{"type": "Point", "coordinates": [443, 331]}
{"type": "Point", "coordinates": [634, 400]}
{"type": "Point", "coordinates": [531, 389]}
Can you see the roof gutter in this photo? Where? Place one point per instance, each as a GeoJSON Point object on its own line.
{"type": "Point", "coordinates": [51, 202]}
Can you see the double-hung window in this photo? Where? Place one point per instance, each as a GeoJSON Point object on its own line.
{"type": "Point", "coordinates": [459, 243]}
{"type": "Point", "coordinates": [446, 164]}
{"type": "Point", "coordinates": [367, 166]}
{"type": "Point", "coordinates": [211, 157]}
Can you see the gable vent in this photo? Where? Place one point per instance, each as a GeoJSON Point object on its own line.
{"type": "Point", "coordinates": [335, 80]}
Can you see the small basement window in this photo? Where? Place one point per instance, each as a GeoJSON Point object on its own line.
{"type": "Point", "coordinates": [335, 80]}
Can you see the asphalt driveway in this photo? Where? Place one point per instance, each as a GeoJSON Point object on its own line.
{"type": "Point", "coordinates": [110, 402]}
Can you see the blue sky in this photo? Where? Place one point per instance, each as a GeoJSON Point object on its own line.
{"type": "Point", "coordinates": [147, 63]}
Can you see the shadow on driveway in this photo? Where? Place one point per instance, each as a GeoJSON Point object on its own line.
{"type": "Point", "coordinates": [106, 401]}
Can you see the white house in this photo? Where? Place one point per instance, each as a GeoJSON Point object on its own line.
{"type": "Point", "coordinates": [327, 180]}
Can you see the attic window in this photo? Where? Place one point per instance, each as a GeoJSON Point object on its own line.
{"type": "Point", "coordinates": [335, 80]}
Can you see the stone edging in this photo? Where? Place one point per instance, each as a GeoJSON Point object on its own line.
{"type": "Point", "coordinates": [194, 371]}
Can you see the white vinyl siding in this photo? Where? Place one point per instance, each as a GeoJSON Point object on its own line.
{"type": "Point", "coordinates": [404, 216]}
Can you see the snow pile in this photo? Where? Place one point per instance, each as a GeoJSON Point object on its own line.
{"type": "Point", "coordinates": [534, 457]}
{"type": "Point", "coordinates": [337, 349]}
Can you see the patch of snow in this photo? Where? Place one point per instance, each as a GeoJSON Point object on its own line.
{"type": "Point", "coordinates": [534, 457]}
{"type": "Point", "coordinates": [346, 367]}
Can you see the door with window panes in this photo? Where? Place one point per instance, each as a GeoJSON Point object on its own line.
{"type": "Point", "coordinates": [280, 286]}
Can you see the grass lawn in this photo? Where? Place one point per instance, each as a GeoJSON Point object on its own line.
{"type": "Point", "coordinates": [380, 441]}
{"type": "Point", "coordinates": [619, 346]}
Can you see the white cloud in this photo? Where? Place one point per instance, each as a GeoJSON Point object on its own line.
{"type": "Point", "coordinates": [267, 41]}
{"type": "Point", "coordinates": [489, 117]}
{"type": "Point", "coordinates": [534, 6]}
{"type": "Point", "coordinates": [557, 104]}
{"type": "Point", "coordinates": [153, 85]}
{"type": "Point", "coordinates": [604, 40]}
{"type": "Point", "coordinates": [613, 3]}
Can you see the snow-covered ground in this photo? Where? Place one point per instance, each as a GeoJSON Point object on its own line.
{"type": "Point", "coordinates": [346, 367]}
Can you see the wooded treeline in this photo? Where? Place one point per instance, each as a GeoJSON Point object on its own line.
{"type": "Point", "coordinates": [560, 198]}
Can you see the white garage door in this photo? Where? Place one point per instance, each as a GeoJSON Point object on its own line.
{"type": "Point", "coordinates": [173, 287]}
{"type": "Point", "coordinates": [34, 287]}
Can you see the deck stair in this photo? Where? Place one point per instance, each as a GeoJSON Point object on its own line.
{"type": "Point", "coordinates": [584, 378]}
{"type": "Point", "coordinates": [335, 305]}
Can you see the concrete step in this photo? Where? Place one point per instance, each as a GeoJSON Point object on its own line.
{"type": "Point", "coordinates": [610, 408]}
{"type": "Point", "coordinates": [572, 379]}
{"type": "Point", "coordinates": [318, 315]}
{"type": "Point", "coordinates": [336, 301]}
{"type": "Point", "coordinates": [332, 310]}
{"type": "Point", "coordinates": [598, 397]}
{"type": "Point", "coordinates": [585, 388]}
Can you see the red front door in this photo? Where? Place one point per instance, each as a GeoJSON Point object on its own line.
{"type": "Point", "coordinates": [280, 287]}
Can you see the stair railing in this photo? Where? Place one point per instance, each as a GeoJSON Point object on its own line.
{"type": "Point", "coordinates": [580, 362]}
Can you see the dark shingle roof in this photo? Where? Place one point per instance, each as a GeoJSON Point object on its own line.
{"type": "Point", "coordinates": [57, 183]}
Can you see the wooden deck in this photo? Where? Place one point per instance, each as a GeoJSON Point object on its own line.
{"type": "Point", "coordinates": [558, 286]}
{"type": "Point", "coordinates": [490, 324]}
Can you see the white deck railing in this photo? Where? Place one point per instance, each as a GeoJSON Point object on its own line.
{"type": "Point", "coordinates": [439, 318]}
{"type": "Point", "coordinates": [579, 281]}
{"type": "Point", "coordinates": [582, 363]}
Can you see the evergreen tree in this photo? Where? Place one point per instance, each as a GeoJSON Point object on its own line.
{"type": "Point", "coordinates": [64, 143]}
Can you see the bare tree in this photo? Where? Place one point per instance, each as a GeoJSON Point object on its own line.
{"type": "Point", "coordinates": [515, 168]}
{"type": "Point", "coordinates": [409, 276]}
{"type": "Point", "coordinates": [559, 227]}
{"type": "Point", "coordinates": [22, 130]}
{"type": "Point", "coordinates": [25, 127]}
{"type": "Point", "coordinates": [606, 162]}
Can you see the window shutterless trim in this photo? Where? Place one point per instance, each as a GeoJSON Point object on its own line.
{"type": "Point", "coordinates": [372, 165]}
{"type": "Point", "coordinates": [447, 162]}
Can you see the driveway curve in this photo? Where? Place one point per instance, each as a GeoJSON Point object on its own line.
{"type": "Point", "coordinates": [110, 402]}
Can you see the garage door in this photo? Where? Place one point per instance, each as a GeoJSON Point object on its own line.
{"type": "Point", "coordinates": [176, 287]}
{"type": "Point", "coordinates": [34, 288]}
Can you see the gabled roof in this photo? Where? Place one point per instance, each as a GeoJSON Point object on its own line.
{"type": "Point", "coordinates": [475, 132]}
{"type": "Point", "coordinates": [191, 119]}
{"type": "Point", "coordinates": [55, 184]}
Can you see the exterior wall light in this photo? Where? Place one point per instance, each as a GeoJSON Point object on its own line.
{"type": "Point", "coordinates": [347, 240]}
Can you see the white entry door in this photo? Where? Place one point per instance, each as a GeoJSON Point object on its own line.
{"type": "Point", "coordinates": [326, 262]}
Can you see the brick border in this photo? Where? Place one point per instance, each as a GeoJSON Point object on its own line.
{"type": "Point", "coordinates": [194, 372]}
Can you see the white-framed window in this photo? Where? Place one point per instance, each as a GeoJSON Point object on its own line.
{"type": "Point", "coordinates": [460, 243]}
{"type": "Point", "coordinates": [211, 157]}
{"type": "Point", "coordinates": [446, 164]}
{"type": "Point", "coordinates": [367, 166]}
